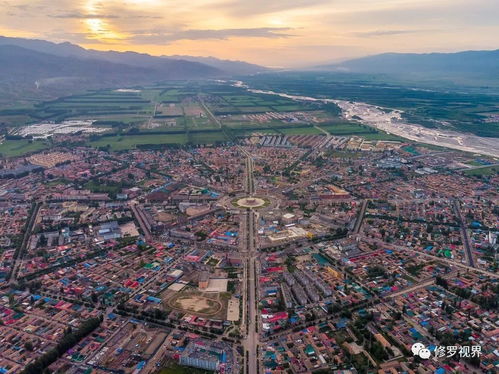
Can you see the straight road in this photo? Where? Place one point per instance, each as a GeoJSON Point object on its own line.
{"type": "Point", "coordinates": [211, 116]}
{"type": "Point", "coordinates": [360, 218]}
{"type": "Point", "coordinates": [479, 167]}
{"type": "Point", "coordinates": [250, 311]}
{"type": "Point", "coordinates": [464, 232]}
{"type": "Point", "coordinates": [421, 284]}
{"type": "Point", "coordinates": [22, 250]}
{"type": "Point", "coordinates": [442, 259]}
{"type": "Point", "coordinates": [137, 212]}
{"type": "Point", "coordinates": [251, 342]}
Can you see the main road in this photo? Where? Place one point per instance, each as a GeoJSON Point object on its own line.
{"type": "Point", "coordinates": [18, 258]}
{"type": "Point", "coordinates": [441, 259]}
{"type": "Point", "coordinates": [465, 236]}
{"type": "Point", "coordinates": [249, 324]}
{"type": "Point", "coordinates": [360, 217]}
{"type": "Point", "coordinates": [250, 281]}
{"type": "Point", "coordinates": [251, 342]}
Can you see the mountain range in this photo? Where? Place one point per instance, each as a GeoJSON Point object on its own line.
{"type": "Point", "coordinates": [30, 62]}
{"type": "Point", "coordinates": [458, 66]}
{"type": "Point", "coordinates": [40, 67]}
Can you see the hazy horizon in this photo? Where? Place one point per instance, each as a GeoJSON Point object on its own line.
{"type": "Point", "coordinates": [294, 34]}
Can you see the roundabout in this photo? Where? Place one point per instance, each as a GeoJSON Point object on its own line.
{"type": "Point", "coordinates": [250, 202]}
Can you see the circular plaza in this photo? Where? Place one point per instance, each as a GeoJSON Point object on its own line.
{"type": "Point", "coordinates": [250, 202]}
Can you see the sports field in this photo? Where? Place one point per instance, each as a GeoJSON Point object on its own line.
{"type": "Point", "coordinates": [196, 302]}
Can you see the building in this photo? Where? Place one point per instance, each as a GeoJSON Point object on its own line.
{"type": "Point", "coordinates": [288, 218]}
{"type": "Point", "coordinates": [204, 279]}
{"type": "Point", "coordinates": [203, 354]}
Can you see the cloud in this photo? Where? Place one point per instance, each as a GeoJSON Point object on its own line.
{"type": "Point", "coordinates": [161, 37]}
{"type": "Point", "coordinates": [124, 14]}
{"type": "Point", "coordinates": [274, 32]}
{"type": "Point", "coordinates": [244, 8]}
{"type": "Point", "coordinates": [77, 15]}
{"type": "Point", "coordinates": [75, 37]}
{"type": "Point", "coordinates": [374, 33]}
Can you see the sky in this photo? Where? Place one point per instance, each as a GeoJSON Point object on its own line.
{"type": "Point", "coordinates": [275, 33]}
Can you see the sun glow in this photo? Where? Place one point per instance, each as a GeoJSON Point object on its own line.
{"type": "Point", "coordinates": [97, 27]}
{"type": "Point", "coordinates": [143, 2]}
{"type": "Point", "coordinates": [290, 33]}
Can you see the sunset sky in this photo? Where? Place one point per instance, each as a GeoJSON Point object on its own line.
{"type": "Point", "coordinates": [284, 33]}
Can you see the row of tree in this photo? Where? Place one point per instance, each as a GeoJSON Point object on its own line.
{"type": "Point", "coordinates": [69, 340]}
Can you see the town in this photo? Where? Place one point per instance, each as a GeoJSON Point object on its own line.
{"type": "Point", "coordinates": [270, 254]}
{"type": "Point", "coordinates": [249, 187]}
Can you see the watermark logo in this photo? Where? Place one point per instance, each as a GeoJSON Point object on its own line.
{"type": "Point", "coordinates": [465, 351]}
{"type": "Point", "coordinates": [419, 349]}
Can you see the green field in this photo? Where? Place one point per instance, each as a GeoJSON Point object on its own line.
{"type": "Point", "coordinates": [129, 115]}
{"type": "Point", "coordinates": [121, 143]}
{"type": "Point", "coordinates": [300, 131]}
{"type": "Point", "coordinates": [99, 187]}
{"type": "Point", "coordinates": [356, 129]}
{"type": "Point", "coordinates": [206, 138]}
{"type": "Point", "coordinates": [463, 111]}
{"type": "Point", "coordinates": [15, 148]}
{"type": "Point", "coordinates": [347, 128]}
{"type": "Point", "coordinates": [485, 171]}
{"type": "Point", "coordinates": [105, 104]}
{"type": "Point", "coordinates": [223, 100]}
{"type": "Point", "coordinates": [198, 123]}
{"type": "Point", "coordinates": [177, 136]}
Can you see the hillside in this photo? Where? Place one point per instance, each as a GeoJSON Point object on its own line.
{"type": "Point", "coordinates": [459, 66]}
{"type": "Point", "coordinates": [197, 65]}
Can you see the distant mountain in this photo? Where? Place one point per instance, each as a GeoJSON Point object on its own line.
{"type": "Point", "coordinates": [59, 49]}
{"type": "Point", "coordinates": [229, 66]}
{"type": "Point", "coordinates": [26, 65]}
{"type": "Point", "coordinates": [32, 70]}
{"type": "Point", "coordinates": [218, 67]}
{"type": "Point", "coordinates": [468, 64]}
{"type": "Point", "coordinates": [27, 73]}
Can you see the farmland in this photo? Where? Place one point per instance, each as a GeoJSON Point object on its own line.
{"type": "Point", "coordinates": [483, 171]}
{"type": "Point", "coordinates": [122, 142]}
{"type": "Point", "coordinates": [182, 113]}
{"type": "Point", "coordinates": [14, 148]}
{"type": "Point", "coordinates": [439, 106]}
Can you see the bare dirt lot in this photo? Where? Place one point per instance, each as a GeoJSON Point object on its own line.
{"type": "Point", "coordinates": [199, 303]}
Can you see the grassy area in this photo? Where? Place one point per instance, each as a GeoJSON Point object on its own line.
{"type": "Point", "coordinates": [231, 100]}
{"type": "Point", "coordinates": [15, 148]}
{"type": "Point", "coordinates": [197, 122]}
{"type": "Point", "coordinates": [206, 138]}
{"type": "Point", "coordinates": [300, 131]}
{"type": "Point", "coordinates": [485, 171]}
{"type": "Point", "coordinates": [101, 187]}
{"type": "Point", "coordinates": [347, 128]}
{"type": "Point", "coordinates": [105, 104]}
{"type": "Point", "coordinates": [341, 336]}
{"type": "Point", "coordinates": [287, 108]}
{"type": "Point", "coordinates": [463, 111]}
{"type": "Point", "coordinates": [383, 136]}
{"type": "Point", "coordinates": [121, 143]}
{"type": "Point", "coordinates": [343, 154]}
{"type": "Point", "coordinates": [126, 142]}
{"type": "Point", "coordinates": [360, 362]}
{"type": "Point", "coordinates": [127, 111]}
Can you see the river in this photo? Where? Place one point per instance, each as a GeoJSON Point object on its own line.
{"type": "Point", "coordinates": [392, 122]}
